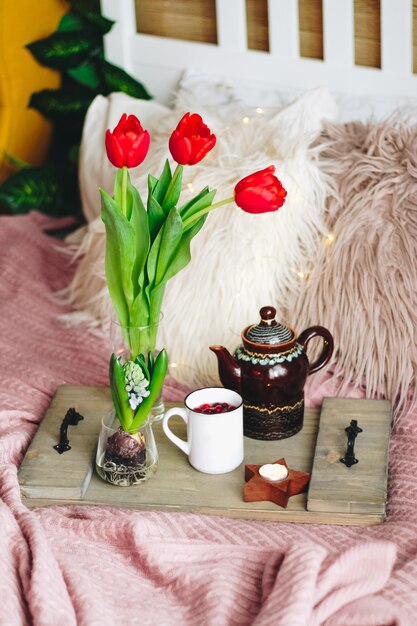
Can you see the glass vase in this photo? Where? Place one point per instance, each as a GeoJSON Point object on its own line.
{"type": "Point", "coordinates": [129, 341]}
{"type": "Point", "coordinates": [125, 459]}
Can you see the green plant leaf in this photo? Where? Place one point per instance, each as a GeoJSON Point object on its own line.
{"type": "Point", "coordinates": [70, 22]}
{"type": "Point", "coordinates": [139, 221]}
{"type": "Point", "coordinates": [58, 103]}
{"type": "Point", "coordinates": [139, 316]}
{"type": "Point", "coordinates": [86, 74]}
{"type": "Point", "coordinates": [202, 201]}
{"type": "Point", "coordinates": [141, 361]}
{"type": "Point", "coordinates": [15, 161]}
{"type": "Point", "coordinates": [151, 363]}
{"type": "Point", "coordinates": [66, 49]}
{"type": "Point", "coordinates": [88, 10]}
{"type": "Point", "coordinates": [119, 394]}
{"type": "Point", "coordinates": [152, 182]}
{"type": "Point", "coordinates": [156, 298]}
{"type": "Point", "coordinates": [174, 190]}
{"type": "Point", "coordinates": [151, 263]}
{"type": "Point", "coordinates": [158, 376]}
{"type": "Point", "coordinates": [156, 214]}
{"type": "Point", "coordinates": [120, 256]}
{"type": "Point", "coordinates": [116, 79]}
{"type": "Point", "coordinates": [170, 242]}
{"type": "Point", "coordinates": [44, 188]}
{"type": "Point", "coordinates": [183, 254]}
{"type": "Point", "coordinates": [161, 187]}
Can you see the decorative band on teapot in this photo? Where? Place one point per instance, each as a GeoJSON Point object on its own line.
{"type": "Point", "coordinates": [257, 358]}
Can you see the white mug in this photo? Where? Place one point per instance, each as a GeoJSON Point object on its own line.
{"type": "Point", "coordinates": [214, 442]}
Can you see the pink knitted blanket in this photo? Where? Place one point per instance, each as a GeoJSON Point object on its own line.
{"type": "Point", "coordinates": [94, 566]}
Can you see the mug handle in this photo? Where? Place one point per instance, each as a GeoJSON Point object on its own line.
{"type": "Point", "coordinates": [183, 445]}
{"type": "Point", "coordinates": [317, 331]}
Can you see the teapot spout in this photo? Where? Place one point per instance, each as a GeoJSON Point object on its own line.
{"type": "Point", "coordinates": [229, 371]}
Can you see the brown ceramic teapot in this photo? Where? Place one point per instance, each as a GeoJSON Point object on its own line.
{"type": "Point", "coordinates": [269, 371]}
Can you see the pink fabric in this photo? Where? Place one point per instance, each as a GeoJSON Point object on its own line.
{"type": "Point", "coordinates": [94, 566]}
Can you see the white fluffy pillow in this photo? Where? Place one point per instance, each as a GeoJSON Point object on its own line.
{"type": "Point", "coordinates": [240, 262]}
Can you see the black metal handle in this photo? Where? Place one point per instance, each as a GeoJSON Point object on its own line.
{"type": "Point", "coordinates": [71, 419]}
{"type": "Point", "coordinates": [352, 432]}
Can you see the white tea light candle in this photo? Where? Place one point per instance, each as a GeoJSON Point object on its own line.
{"type": "Point", "coordinates": [273, 472]}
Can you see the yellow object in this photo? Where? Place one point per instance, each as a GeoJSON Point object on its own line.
{"type": "Point", "coordinates": [24, 133]}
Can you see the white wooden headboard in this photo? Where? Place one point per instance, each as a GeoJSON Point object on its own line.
{"type": "Point", "coordinates": [159, 61]}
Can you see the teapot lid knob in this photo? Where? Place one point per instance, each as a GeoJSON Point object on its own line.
{"type": "Point", "coordinates": [268, 314]}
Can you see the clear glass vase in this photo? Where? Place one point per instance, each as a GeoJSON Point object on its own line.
{"type": "Point", "coordinates": [128, 341]}
{"type": "Point", "coordinates": [125, 459]}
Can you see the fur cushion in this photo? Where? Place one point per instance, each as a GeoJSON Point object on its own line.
{"type": "Point", "coordinates": [364, 287]}
{"type": "Point", "coordinates": [240, 262]}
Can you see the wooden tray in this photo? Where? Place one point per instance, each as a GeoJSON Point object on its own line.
{"type": "Point", "coordinates": [48, 478]}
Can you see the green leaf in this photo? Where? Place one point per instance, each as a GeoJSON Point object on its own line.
{"type": "Point", "coordinates": [156, 214]}
{"type": "Point", "coordinates": [42, 188]}
{"type": "Point", "coordinates": [70, 21]}
{"type": "Point", "coordinates": [202, 201]}
{"type": "Point", "coordinates": [85, 74]}
{"type": "Point", "coordinates": [170, 241]}
{"type": "Point", "coordinates": [156, 298]}
{"type": "Point", "coordinates": [174, 190]}
{"type": "Point", "coordinates": [151, 262]}
{"type": "Point", "coordinates": [119, 394]}
{"type": "Point", "coordinates": [89, 12]}
{"type": "Point", "coordinates": [162, 185]}
{"type": "Point", "coordinates": [139, 221]}
{"type": "Point", "coordinates": [117, 79]}
{"type": "Point", "coordinates": [57, 103]}
{"type": "Point", "coordinates": [15, 161]}
{"type": "Point", "coordinates": [120, 256]}
{"type": "Point", "coordinates": [141, 361]}
{"type": "Point", "coordinates": [152, 182]}
{"type": "Point", "coordinates": [158, 376]}
{"type": "Point", "coordinates": [151, 363]}
{"type": "Point", "coordinates": [66, 49]}
{"type": "Point", "coordinates": [139, 316]}
{"type": "Point", "coordinates": [183, 254]}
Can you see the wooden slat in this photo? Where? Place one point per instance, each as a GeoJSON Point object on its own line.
{"type": "Point", "coordinates": [257, 24]}
{"type": "Point", "coordinates": [338, 32]}
{"type": "Point", "coordinates": [283, 28]}
{"type": "Point", "coordinates": [397, 33]}
{"type": "Point", "coordinates": [361, 488]}
{"type": "Point", "coordinates": [231, 24]}
{"type": "Point", "coordinates": [191, 20]}
{"type": "Point", "coordinates": [66, 475]}
{"type": "Point", "coordinates": [311, 28]}
{"type": "Point", "coordinates": [367, 20]}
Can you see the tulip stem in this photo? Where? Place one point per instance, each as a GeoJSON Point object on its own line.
{"type": "Point", "coordinates": [124, 189]}
{"type": "Point", "coordinates": [194, 218]}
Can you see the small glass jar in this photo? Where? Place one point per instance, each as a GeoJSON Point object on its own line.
{"type": "Point", "coordinates": [125, 459]}
{"type": "Point", "coordinates": [141, 339]}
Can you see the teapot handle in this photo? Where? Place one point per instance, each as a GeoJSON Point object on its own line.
{"type": "Point", "coordinates": [317, 331]}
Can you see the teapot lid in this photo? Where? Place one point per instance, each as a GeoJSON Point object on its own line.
{"type": "Point", "coordinates": [269, 331]}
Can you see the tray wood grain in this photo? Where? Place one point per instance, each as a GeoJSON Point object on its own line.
{"type": "Point", "coordinates": [47, 478]}
{"type": "Point", "coordinates": [361, 488]}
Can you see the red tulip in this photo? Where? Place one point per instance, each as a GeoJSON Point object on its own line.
{"type": "Point", "coordinates": [128, 144]}
{"type": "Point", "coordinates": [191, 140]}
{"type": "Point", "coordinates": [260, 192]}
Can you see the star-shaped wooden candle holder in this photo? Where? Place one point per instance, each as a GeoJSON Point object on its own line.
{"type": "Point", "coordinates": [258, 488]}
